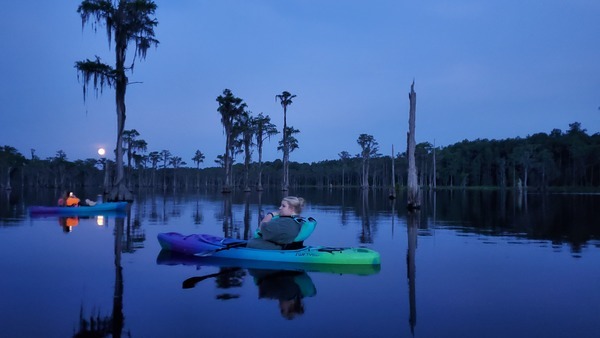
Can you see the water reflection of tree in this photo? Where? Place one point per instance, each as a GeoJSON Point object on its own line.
{"type": "Point", "coordinates": [344, 212]}
{"type": "Point", "coordinates": [153, 208]}
{"type": "Point", "coordinates": [365, 235]}
{"type": "Point", "coordinates": [118, 319]}
{"type": "Point", "coordinates": [228, 227]}
{"type": "Point", "coordinates": [176, 208]}
{"type": "Point", "coordinates": [135, 236]}
{"type": "Point", "coordinates": [412, 221]}
{"type": "Point", "coordinates": [247, 215]}
{"type": "Point", "coordinates": [97, 326]}
{"type": "Point", "coordinates": [164, 217]}
{"type": "Point", "coordinates": [198, 216]}
{"type": "Point", "coordinates": [260, 209]}
{"type": "Point", "coordinates": [156, 214]}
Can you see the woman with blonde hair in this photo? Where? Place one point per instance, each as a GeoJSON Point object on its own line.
{"type": "Point", "coordinates": [278, 229]}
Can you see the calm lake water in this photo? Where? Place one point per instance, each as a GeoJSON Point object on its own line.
{"type": "Point", "coordinates": [469, 264]}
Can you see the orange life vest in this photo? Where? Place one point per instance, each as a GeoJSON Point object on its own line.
{"type": "Point", "coordinates": [72, 201]}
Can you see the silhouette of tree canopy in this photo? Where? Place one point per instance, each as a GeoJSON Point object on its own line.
{"type": "Point", "coordinates": [566, 160]}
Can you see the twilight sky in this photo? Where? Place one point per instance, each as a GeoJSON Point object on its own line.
{"type": "Point", "coordinates": [490, 69]}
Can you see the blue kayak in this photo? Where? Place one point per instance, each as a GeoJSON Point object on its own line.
{"type": "Point", "coordinates": [81, 210]}
{"type": "Point", "coordinates": [214, 246]}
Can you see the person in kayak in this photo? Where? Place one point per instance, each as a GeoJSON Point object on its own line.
{"type": "Point", "coordinates": [62, 200]}
{"type": "Point", "coordinates": [72, 200]}
{"type": "Point", "coordinates": [278, 229]}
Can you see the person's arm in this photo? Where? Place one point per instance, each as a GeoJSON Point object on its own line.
{"type": "Point", "coordinates": [268, 217]}
{"type": "Point", "coordinates": [265, 221]}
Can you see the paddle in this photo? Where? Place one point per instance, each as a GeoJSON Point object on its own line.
{"type": "Point", "coordinates": [211, 252]}
{"type": "Point", "coordinates": [192, 281]}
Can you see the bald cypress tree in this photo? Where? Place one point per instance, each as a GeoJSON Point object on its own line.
{"type": "Point", "coordinates": [128, 22]}
{"type": "Point", "coordinates": [230, 108]}
{"type": "Point", "coordinates": [285, 99]}
{"type": "Point", "coordinates": [264, 130]}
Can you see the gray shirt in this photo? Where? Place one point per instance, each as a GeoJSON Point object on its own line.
{"type": "Point", "coordinates": [281, 230]}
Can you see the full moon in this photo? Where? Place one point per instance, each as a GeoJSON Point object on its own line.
{"type": "Point", "coordinates": [101, 151]}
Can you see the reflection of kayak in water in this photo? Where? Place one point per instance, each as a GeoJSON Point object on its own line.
{"type": "Point", "coordinates": [288, 287]}
{"type": "Point", "coordinates": [81, 210]}
{"type": "Point", "coordinates": [208, 245]}
{"type": "Point", "coordinates": [166, 257]}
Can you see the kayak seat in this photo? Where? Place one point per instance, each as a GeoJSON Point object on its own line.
{"type": "Point", "coordinates": [307, 226]}
{"type": "Point", "coordinates": [293, 246]}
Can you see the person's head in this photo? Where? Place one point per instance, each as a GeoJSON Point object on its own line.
{"type": "Point", "coordinates": [291, 205]}
{"type": "Point", "coordinates": [291, 308]}
{"type": "Point", "coordinates": [71, 194]}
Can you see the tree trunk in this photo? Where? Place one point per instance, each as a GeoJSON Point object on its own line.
{"type": "Point", "coordinates": [392, 194]}
{"type": "Point", "coordinates": [174, 179]}
{"type": "Point", "coordinates": [227, 163]}
{"type": "Point", "coordinates": [365, 173]}
{"type": "Point", "coordinates": [434, 180]}
{"type": "Point", "coordinates": [106, 167]}
{"type": "Point", "coordinates": [286, 152]}
{"type": "Point", "coordinates": [8, 172]}
{"type": "Point", "coordinates": [247, 168]}
{"type": "Point", "coordinates": [413, 190]}
{"type": "Point", "coordinates": [120, 192]}
{"type": "Point", "coordinates": [259, 145]}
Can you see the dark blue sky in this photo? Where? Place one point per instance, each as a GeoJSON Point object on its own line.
{"type": "Point", "coordinates": [483, 69]}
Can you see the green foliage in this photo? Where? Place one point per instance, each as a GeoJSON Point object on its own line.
{"type": "Point", "coordinates": [198, 158]}
{"type": "Point", "coordinates": [292, 141]}
{"type": "Point", "coordinates": [100, 74]}
{"type": "Point", "coordinates": [232, 110]}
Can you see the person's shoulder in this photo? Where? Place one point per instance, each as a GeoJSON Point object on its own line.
{"type": "Point", "coordinates": [284, 221]}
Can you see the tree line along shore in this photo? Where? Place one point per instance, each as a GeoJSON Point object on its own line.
{"type": "Point", "coordinates": [558, 160]}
